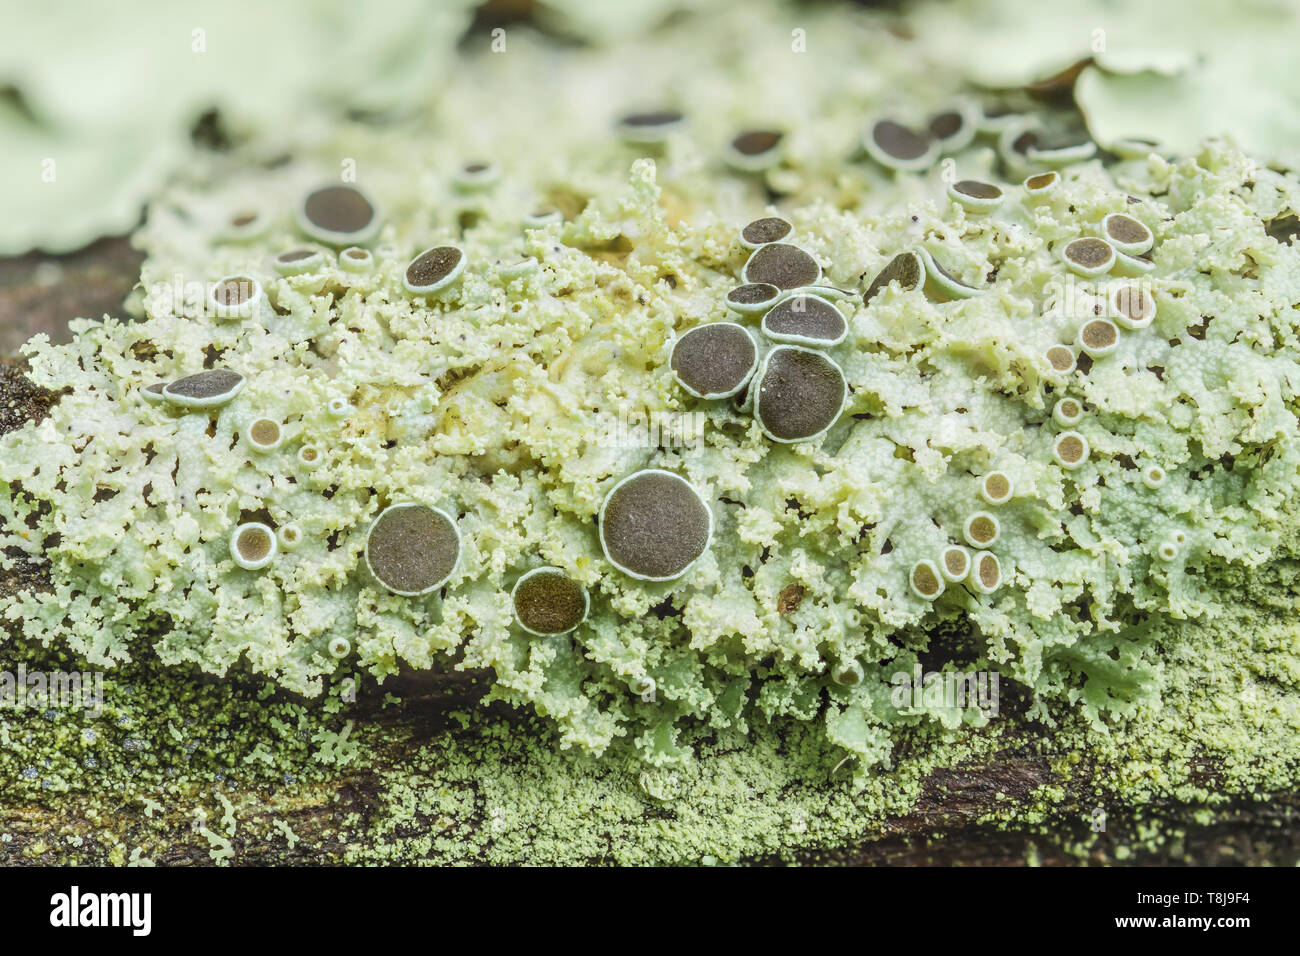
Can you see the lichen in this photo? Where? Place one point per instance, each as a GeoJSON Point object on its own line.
{"type": "Point", "coordinates": [1109, 603]}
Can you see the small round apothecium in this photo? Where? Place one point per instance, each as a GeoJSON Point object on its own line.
{"type": "Point", "coordinates": [896, 146]}
{"type": "Point", "coordinates": [752, 298]}
{"type": "Point", "coordinates": [1126, 234]}
{"type": "Point", "coordinates": [289, 536]}
{"type": "Point", "coordinates": [782, 265]}
{"type": "Point", "coordinates": [654, 525]}
{"type": "Point", "coordinates": [762, 231]}
{"type": "Point", "coordinates": [1132, 306]}
{"type": "Point", "coordinates": [1098, 338]}
{"type": "Point", "coordinates": [975, 195]}
{"type": "Point", "coordinates": [1040, 185]}
{"type": "Point", "coordinates": [1067, 412]}
{"type": "Point", "coordinates": [338, 215]}
{"type": "Point", "coordinates": [940, 280]}
{"type": "Point", "coordinates": [253, 546]}
{"type": "Point", "coordinates": [981, 530]}
{"type": "Point", "coordinates": [356, 259]}
{"type": "Point", "coordinates": [1070, 450]}
{"type": "Point", "coordinates": [1061, 359]}
{"type": "Point", "coordinates": [547, 602]}
{"type": "Point", "coordinates": [954, 563]}
{"type": "Point", "coordinates": [907, 269]}
{"type": "Point", "coordinates": [1089, 257]}
{"type": "Point", "coordinates": [264, 435]}
{"type": "Point", "coordinates": [412, 549]}
{"type": "Point", "coordinates": [848, 673]}
{"type": "Point", "coordinates": [476, 176]}
{"type": "Point", "coordinates": [297, 261]}
{"type": "Point", "coordinates": [208, 389]}
{"type": "Point", "coordinates": [925, 580]}
{"type": "Point", "coordinates": [986, 573]}
{"type": "Point", "coordinates": [434, 269]}
{"type": "Point", "coordinates": [236, 297]}
{"type": "Point", "coordinates": [996, 488]}
{"type": "Point", "coordinates": [798, 392]}
{"type": "Point", "coordinates": [1153, 476]}
{"type": "Point", "coordinates": [805, 320]}
{"type": "Point", "coordinates": [715, 360]}
{"type": "Point", "coordinates": [650, 127]}
{"type": "Point", "coordinates": [755, 150]}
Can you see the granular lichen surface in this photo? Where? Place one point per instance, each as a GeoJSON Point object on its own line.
{"type": "Point", "coordinates": [1135, 592]}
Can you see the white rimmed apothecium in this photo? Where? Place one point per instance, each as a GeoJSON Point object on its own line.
{"type": "Point", "coordinates": [434, 269]}
{"type": "Point", "coordinates": [547, 602]}
{"type": "Point", "coordinates": [805, 319]}
{"type": "Point", "coordinates": [754, 151]}
{"type": "Point", "coordinates": [289, 536]}
{"type": "Point", "coordinates": [356, 259]}
{"type": "Point", "coordinates": [907, 269]}
{"type": "Point", "coordinates": [244, 226]}
{"type": "Point", "coordinates": [981, 530]}
{"type": "Point", "coordinates": [925, 580]}
{"type": "Point", "coordinates": [477, 176]}
{"type": "Point", "coordinates": [1153, 476]}
{"type": "Point", "coordinates": [412, 549]}
{"type": "Point", "coordinates": [1088, 257]}
{"type": "Point", "coordinates": [207, 389]}
{"type": "Point", "coordinates": [153, 394]}
{"type": "Point", "coordinates": [654, 525]}
{"type": "Point", "coordinates": [1061, 151]}
{"type": "Point", "coordinates": [309, 456]}
{"type": "Point", "coordinates": [1098, 338]}
{"type": "Point", "coordinates": [237, 297]}
{"type": "Point", "coordinates": [1067, 412]}
{"type": "Point", "coordinates": [782, 265]}
{"type": "Point", "coordinates": [752, 298]}
{"type": "Point", "coordinates": [996, 488]}
{"type": "Point", "coordinates": [1061, 359]}
{"type": "Point", "coordinates": [298, 260]}
{"type": "Point", "coordinates": [715, 360]}
{"type": "Point", "coordinates": [339, 407]}
{"type": "Point", "coordinates": [1134, 266]}
{"type": "Point", "coordinates": [848, 673]}
{"type": "Point", "coordinates": [899, 147]}
{"type": "Point", "coordinates": [942, 282]}
{"type": "Point", "coordinates": [542, 217]}
{"type": "Point", "coordinates": [798, 393]}
{"type": "Point", "coordinates": [953, 127]}
{"type": "Point", "coordinates": [263, 435]}
{"type": "Point", "coordinates": [954, 563]}
{"type": "Point", "coordinates": [762, 231]}
{"type": "Point", "coordinates": [975, 195]}
{"type": "Point", "coordinates": [986, 573]}
{"type": "Point", "coordinates": [338, 215]}
{"type": "Point", "coordinates": [1132, 306]}
{"type": "Point", "coordinates": [253, 546]}
{"type": "Point", "coordinates": [650, 127]}
{"type": "Point", "coordinates": [1041, 185]}
{"type": "Point", "coordinates": [1070, 450]}
{"type": "Point", "coordinates": [1126, 234]}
